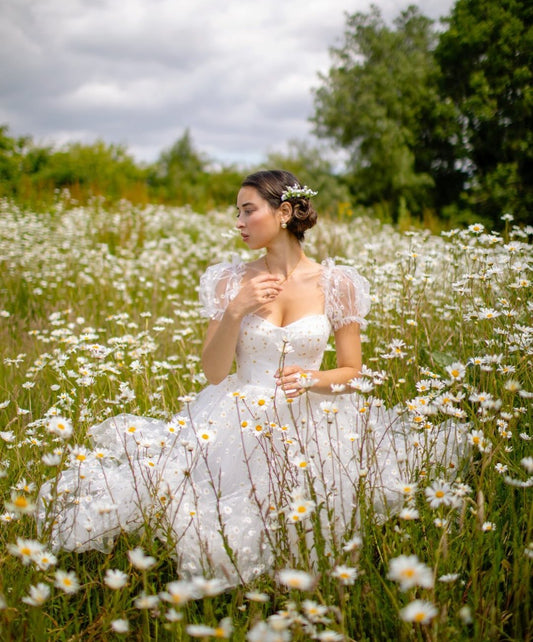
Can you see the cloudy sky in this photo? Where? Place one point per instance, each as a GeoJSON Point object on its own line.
{"type": "Point", "coordinates": [239, 74]}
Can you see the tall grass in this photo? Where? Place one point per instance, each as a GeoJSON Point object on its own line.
{"type": "Point", "coordinates": [99, 315]}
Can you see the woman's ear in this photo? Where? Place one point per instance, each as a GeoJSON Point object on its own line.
{"type": "Point", "coordinates": [285, 210]}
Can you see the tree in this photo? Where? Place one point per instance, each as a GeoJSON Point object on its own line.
{"type": "Point", "coordinates": [180, 171]}
{"type": "Point", "coordinates": [486, 57]}
{"type": "Point", "coordinates": [380, 102]}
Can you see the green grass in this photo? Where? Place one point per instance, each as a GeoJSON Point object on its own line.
{"type": "Point", "coordinates": [100, 315]}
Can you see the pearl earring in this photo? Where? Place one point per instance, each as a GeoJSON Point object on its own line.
{"type": "Point", "coordinates": [284, 225]}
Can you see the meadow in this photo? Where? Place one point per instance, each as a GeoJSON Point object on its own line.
{"type": "Point", "coordinates": [99, 315]}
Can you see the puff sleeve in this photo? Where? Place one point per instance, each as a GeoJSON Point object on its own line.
{"type": "Point", "coordinates": [219, 284]}
{"type": "Point", "coordinates": [347, 295]}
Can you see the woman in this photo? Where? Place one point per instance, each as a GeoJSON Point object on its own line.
{"type": "Point", "coordinates": [234, 480]}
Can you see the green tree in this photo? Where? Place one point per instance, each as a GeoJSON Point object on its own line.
{"type": "Point", "coordinates": [380, 103]}
{"type": "Point", "coordinates": [180, 172]}
{"type": "Point", "coordinates": [486, 57]}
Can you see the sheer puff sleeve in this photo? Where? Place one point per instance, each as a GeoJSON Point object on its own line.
{"type": "Point", "coordinates": [347, 297]}
{"type": "Point", "coordinates": [219, 284]}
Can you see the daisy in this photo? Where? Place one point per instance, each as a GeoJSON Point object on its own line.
{"type": "Point", "coordinates": [438, 493]}
{"type": "Point", "coordinates": [314, 611]}
{"type": "Point", "coordinates": [60, 426]}
{"type": "Point", "coordinates": [179, 592]}
{"type": "Point", "coordinates": [26, 549]}
{"type": "Point", "coordinates": [409, 513]}
{"type": "Point", "coordinates": [295, 579]}
{"type": "Point", "coordinates": [44, 560]}
{"type": "Point", "coordinates": [419, 611]}
{"type": "Point", "coordinates": [205, 436]}
{"type": "Point", "coordinates": [456, 371]}
{"type": "Point", "coordinates": [20, 504]}
{"type": "Point", "coordinates": [409, 571]}
{"type": "Point", "coordinates": [143, 601]}
{"type": "Point", "coordinates": [222, 631]}
{"type": "Point", "coordinates": [67, 581]}
{"type": "Point", "coordinates": [115, 579]}
{"type": "Point", "coordinates": [120, 625]}
{"type": "Point", "coordinates": [345, 574]}
{"type": "Point", "coordinates": [38, 594]}
{"type": "Point", "coordinates": [353, 544]}
{"type": "Point", "coordinates": [140, 560]}
{"type": "Point", "coordinates": [254, 596]}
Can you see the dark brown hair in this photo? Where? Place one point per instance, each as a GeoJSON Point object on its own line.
{"type": "Point", "coordinates": [270, 184]}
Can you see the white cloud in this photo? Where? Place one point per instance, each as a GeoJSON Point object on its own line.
{"type": "Point", "coordinates": [138, 72]}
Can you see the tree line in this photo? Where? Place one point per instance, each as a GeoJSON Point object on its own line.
{"type": "Point", "coordinates": [432, 123]}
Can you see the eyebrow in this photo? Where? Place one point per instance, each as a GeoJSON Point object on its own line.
{"type": "Point", "coordinates": [244, 205]}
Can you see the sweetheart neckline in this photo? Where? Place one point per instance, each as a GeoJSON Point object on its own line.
{"type": "Point", "coordinates": [284, 327]}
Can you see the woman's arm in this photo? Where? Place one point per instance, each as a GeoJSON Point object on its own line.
{"type": "Point", "coordinates": [349, 361]}
{"type": "Point", "coordinates": [221, 337]}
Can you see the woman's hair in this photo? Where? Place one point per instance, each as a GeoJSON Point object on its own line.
{"type": "Point", "coordinates": [271, 184]}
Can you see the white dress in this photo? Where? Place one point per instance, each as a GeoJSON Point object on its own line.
{"type": "Point", "coordinates": [242, 470]}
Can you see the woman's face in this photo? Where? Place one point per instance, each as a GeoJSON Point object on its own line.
{"type": "Point", "coordinates": [257, 222]}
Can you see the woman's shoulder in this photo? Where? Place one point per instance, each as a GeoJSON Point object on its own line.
{"type": "Point", "coordinates": [347, 293]}
{"type": "Point", "coordinates": [335, 272]}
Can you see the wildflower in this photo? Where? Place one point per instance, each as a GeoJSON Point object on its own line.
{"type": "Point", "coordinates": [328, 408]}
{"type": "Point", "coordinates": [38, 595]}
{"type": "Point", "coordinates": [179, 593]}
{"type": "Point", "coordinates": [44, 560]}
{"type": "Point", "coordinates": [419, 611]}
{"type": "Point", "coordinates": [500, 468]}
{"type": "Point", "coordinates": [20, 504]}
{"type": "Point", "coordinates": [223, 630]}
{"type": "Point", "coordinates": [456, 371]}
{"type": "Point", "coordinates": [67, 581]}
{"type": "Point", "coordinates": [409, 572]}
{"type": "Point", "coordinates": [140, 560]}
{"type": "Point", "coordinates": [300, 462]}
{"type": "Point", "coordinates": [143, 601]}
{"type": "Point", "coordinates": [120, 625]}
{"type": "Point", "coordinates": [60, 426]}
{"type": "Point", "coordinates": [300, 506]}
{"type": "Point", "coordinates": [208, 587]}
{"type": "Point", "coordinates": [345, 574]}
{"type": "Point", "coordinates": [51, 459]}
{"type": "Point", "coordinates": [329, 636]}
{"type": "Point", "coordinates": [353, 544]}
{"type": "Point", "coordinates": [314, 611]}
{"type": "Point", "coordinates": [465, 613]}
{"type": "Point", "coordinates": [257, 597]}
{"type": "Point", "coordinates": [488, 526]}
{"type": "Point", "coordinates": [438, 493]}
{"type": "Point", "coordinates": [409, 513]}
{"type": "Point", "coordinates": [527, 463]}
{"type": "Point", "coordinates": [295, 579]}
{"type": "Point", "coordinates": [450, 577]}
{"type": "Point", "coordinates": [407, 488]}
{"type": "Point", "coordinates": [115, 579]}
{"type": "Point", "coordinates": [477, 438]}
{"type": "Point", "coordinates": [205, 435]}
{"type": "Point", "coordinates": [173, 616]}
{"type": "Point", "coordinates": [26, 549]}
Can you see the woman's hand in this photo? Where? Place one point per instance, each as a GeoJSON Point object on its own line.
{"type": "Point", "coordinates": [294, 380]}
{"type": "Point", "coordinates": [255, 293]}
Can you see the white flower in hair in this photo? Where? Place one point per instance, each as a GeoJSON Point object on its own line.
{"type": "Point", "coordinates": [297, 192]}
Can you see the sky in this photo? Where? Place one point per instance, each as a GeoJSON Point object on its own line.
{"type": "Point", "coordinates": [239, 75]}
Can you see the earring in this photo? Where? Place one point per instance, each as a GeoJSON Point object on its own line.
{"type": "Point", "coordinates": [284, 225]}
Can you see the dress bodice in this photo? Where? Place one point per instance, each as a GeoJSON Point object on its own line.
{"type": "Point", "coordinates": [261, 345]}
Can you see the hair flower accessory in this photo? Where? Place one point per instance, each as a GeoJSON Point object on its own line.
{"type": "Point", "coordinates": [297, 192]}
